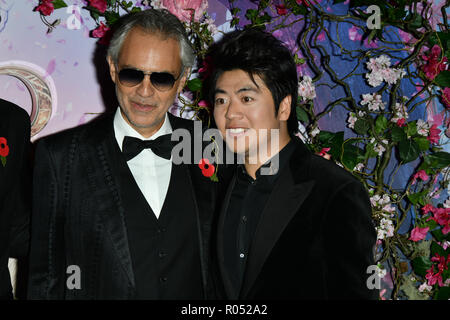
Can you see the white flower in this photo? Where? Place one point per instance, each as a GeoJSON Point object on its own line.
{"type": "Point", "coordinates": [385, 229]}
{"type": "Point", "coordinates": [306, 89]}
{"type": "Point", "coordinates": [381, 71]}
{"type": "Point", "coordinates": [379, 148]}
{"type": "Point", "coordinates": [156, 4]}
{"type": "Point", "coordinates": [381, 272]}
{"type": "Point", "coordinates": [315, 132]}
{"type": "Point", "coordinates": [422, 127]}
{"type": "Point", "coordinates": [425, 287]}
{"type": "Point", "coordinates": [400, 112]}
{"type": "Point", "coordinates": [359, 167]}
{"type": "Point", "coordinates": [373, 101]}
{"type": "Point", "coordinates": [447, 203]}
{"type": "Point", "coordinates": [211, 25]}
{"type": "Point", "coordinates": [351, 120]}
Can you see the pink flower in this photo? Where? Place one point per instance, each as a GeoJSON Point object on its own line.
{"type": "Point", "coordinates": [100, 5]}
{"type": "Point", "coordinates": [204, 104]}
{"type": "Point", "coordinates": [434, 66]}
{"type": "Point", "coordinates": [45, 7]}
{"type": "Point", "coordinates": [418, 234]}
{"type": "Point", "coordinates": [433, 278]}
{"type": "Point", "coordinates": [433, 135]}
{"type": "Point", "coordinates": [181, 8]}
{"type": "Point", "coordinates": [446, 97]}
{"type": "Point", "coordinates": [281, 9]}
{"type": "Point", "coordinates": [323, 153]}
{"type": "Point", "coordinates": [421, 175]}
{"type": "Point", "coordinates": [100, 31]}
{"type": "Point", "coordinates": [441, 216]}
{"type": "Point", "coordinates": [427, 208]}
{"type": "Point", "coordinates": [401, 122]}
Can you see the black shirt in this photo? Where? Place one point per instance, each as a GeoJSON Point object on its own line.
{"type": "Point", "coordinates": [247, 202]}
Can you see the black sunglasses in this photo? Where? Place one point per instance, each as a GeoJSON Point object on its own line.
{"type": "Point", "coordinates": [162, 81]}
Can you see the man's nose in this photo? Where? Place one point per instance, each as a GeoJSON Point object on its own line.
{"type": "Point", "coordinates": [145, 88]}
{"type": "Point", "coordinates": [233, 111]}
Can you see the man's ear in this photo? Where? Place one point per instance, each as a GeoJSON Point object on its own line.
{"type": "Point", "coordinates": [112, 69]}
{"type": "Point", "coordinates": [284, 110]}
{"type": "Point", "coordinates": [183, 80]}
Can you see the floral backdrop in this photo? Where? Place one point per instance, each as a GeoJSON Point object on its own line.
{"type": "Point", "coordinates": [374, 95]}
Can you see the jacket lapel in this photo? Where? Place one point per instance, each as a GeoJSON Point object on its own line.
{"type": "Point", "coordinates": [220, 239]}
{"type": "Point", "coordinates": [106, 189]}
{"type": "Point", "coordinates": [290, 191]}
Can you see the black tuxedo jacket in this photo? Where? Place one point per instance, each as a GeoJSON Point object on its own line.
{"type": "Point", "coordinates": [76, 202]}
{"type": "Point", "coordinates": [315, 238]}
{"type": "Point", "coordinates": [15, 194]}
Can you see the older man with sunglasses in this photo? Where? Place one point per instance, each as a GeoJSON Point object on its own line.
{"type": "Point", "coordinates": [114, 217]}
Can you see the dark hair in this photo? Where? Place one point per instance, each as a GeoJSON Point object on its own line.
{"type": "Point", "coordinates": [258, 53]}
{"type": "Point", "coordinates": [153, 21]}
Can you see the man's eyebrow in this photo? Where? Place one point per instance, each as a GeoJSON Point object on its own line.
{"type": "Point", "coordinates": [249, 88]}
{"type": "Point", "coordinates": [243, 89]}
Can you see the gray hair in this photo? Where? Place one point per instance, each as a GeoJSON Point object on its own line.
{"type": "Point", "coordinates": [153, 21]}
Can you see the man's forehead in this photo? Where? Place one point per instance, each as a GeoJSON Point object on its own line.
{"type": "Point", "coordinates": [239, 80]}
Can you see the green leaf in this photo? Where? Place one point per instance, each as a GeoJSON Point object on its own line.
{"type": "Point", "coordinates": [411, 128]}
{"type": "Point", "coordinates": [235, 11]}
{"type": "Point", "coordinates": [443, 293]}
{"type": "Point", "coordinates": [299, 10]}
{"type": "Point", "coordinates": [381, 124]}
{"type": "Point", "coordinates": [416, 20]}
{"type": "Point", "coordinates": [435, 248]}
{"type": "Point", "coordinates": [371, 35]}
{"type": "Point", "coordinates": [438, 235]}
{"type": "Point", "coordinates": [3, 160]}
{"type": "Point", "coordinates": [352, 155]}
{"type": "Point", "coordinates": [437, 160]}
{"type": "Point", "coordinates": [440, 38]}
{"type": "Point", "coordinates": [362, 126]}
{"type": "Point", "coordinates": [111, 17]}
{"type": "Point", "coordinates": [251, 14]}
{"type": "Point", "coordinates": [136, 9]}
{"type": "Point", "coordinates": [398, 134]}
{"type": "Point", "coordinates": [408, 150]}
{"type": "Point", "coordinates": [333, 141]}
{"type": "Point", "coordinates": [418, 198]}
{"type": "Point", "coordinates": [423, 143]}
{"type": "Point", "coordinates": [302, 115]}
{"type": "Point", "coordinates": [443, 79]}
{"type": "Point", "coordinates": [421, 265]}
{"type": "Point", "coordinates": [59, 4]}
{"type": "Point", "coordinates": [195, 84]}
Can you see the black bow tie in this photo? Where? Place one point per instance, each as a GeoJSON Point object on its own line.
{"type": "Point", "coordinates": [161, 146]}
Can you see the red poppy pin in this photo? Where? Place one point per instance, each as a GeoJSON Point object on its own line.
{"type": "Point", "coordinates": [208, 169]}
{"type": "Point", "coordinates": [4, 150]}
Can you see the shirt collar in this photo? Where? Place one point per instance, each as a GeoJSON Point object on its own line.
{"type": "Point", "coordinates": [122, 129]}
{"type": "Point", "coordinates": [272, 168]}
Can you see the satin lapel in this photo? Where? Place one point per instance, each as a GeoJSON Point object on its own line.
{"type": "Point", "coordinates": [284, 202]}
{"type": "Point", "coordinates": [107, 153]}
{"type": "Point", "coordinates": [220, 239]}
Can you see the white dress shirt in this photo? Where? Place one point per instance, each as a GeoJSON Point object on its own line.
{"type": "Point", "coordinates": [151, 172]}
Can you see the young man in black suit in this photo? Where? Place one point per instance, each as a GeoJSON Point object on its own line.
{"type": "Point", "coordinates": [114, 217]}
{"type": "Point", "coordinates": [293, 225]}
{"type": "Point", "coordinates": [15, 194]}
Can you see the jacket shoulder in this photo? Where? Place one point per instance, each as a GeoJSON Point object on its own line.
{"type": "Point", "coordinates": [13, 112]}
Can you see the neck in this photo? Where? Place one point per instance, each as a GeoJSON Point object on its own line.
{"type": "Point", "coordinates": [252, 166]}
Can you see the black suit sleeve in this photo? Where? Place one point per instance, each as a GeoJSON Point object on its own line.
{"type": "Point", "coordinates": [47, 274]}
{"type": "Point", "coordinates": [350, 239]}
{"type": "Point", "coordinates": [21, 195]}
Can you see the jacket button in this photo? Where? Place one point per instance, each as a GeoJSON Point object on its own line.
{"type": "Point", "coordinates": [162, 254]}
{"type": "Point", "coordinates": [163, 279]}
